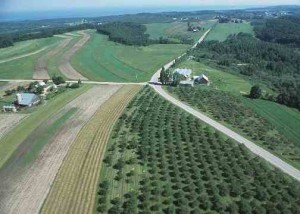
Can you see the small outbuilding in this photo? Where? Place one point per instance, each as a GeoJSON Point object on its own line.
{"type": "Point", "coordinates": [186, 73]}
{"type": "Point", "coordinates": [202, 79]}
{"type": "Point", "coordinates": [27, 99]}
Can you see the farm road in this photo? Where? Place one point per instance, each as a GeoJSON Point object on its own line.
{"type": "Point", "coordinates": [275, 161]}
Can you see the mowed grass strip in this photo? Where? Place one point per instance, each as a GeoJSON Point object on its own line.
{"type": "Point", "coordinates": [75, 186]}
{"type": "Point", "coordinates": [103, 60]}
{"type": "Point", "coordinates": [13, 139]}
{"type": "Point", "coordinates": [223, 30]}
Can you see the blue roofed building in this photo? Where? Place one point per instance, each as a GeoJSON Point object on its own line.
{"type": "Point", "coordinates": [27, 99]}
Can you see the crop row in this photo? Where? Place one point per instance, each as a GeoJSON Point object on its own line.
{"type": "Point", "coordinates": [162, 159]}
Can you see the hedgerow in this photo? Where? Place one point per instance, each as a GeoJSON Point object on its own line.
{"type": "Point", "coordinates": [163, 160]}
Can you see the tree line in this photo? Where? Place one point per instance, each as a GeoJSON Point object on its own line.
{"type": "Point", "coordinates": [7, 40]}
{"type": "Point", "coordinates": [283, 30]}
{"type": "Point", "coordinates": [276, 65]}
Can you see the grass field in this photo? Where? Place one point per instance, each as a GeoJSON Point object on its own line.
{"type": "Point", "coordinates": [23, 68]}
{"type": "Point", "coordinates": [283, 118]}
{"type": "Point", "coordinates": [13, 139]}
{"type": "Point", "coordinates": [175, 30]}
{"type": "Point", "coordinates": [161, 159]}
{"type": "Point", "coordinates": [219, 79]}
{"type": "Point", "coordinates": [222, 31]}
{"type": "Point", "coordinates": [103, 60]}
{"type": "Point", "coordinates": [20, 48]}
{"type": "Point", "coordinates": [76, 183]}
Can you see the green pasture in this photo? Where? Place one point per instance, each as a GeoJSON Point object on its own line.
{"type": "Point", "coordinates": [103, 60]}
{"type": "Point", "coordinates": [23, 68]}
{"type": "Point", "coordinates": [285, 119]}
{"type": "Point", "coordinates": [223, 30]}
{"type": "Point", "coordinates": [10, 142]}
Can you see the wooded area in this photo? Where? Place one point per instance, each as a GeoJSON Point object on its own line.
{"type": "Point", "coordinates": [276, 65]}
{"type": "Point", "coordinates": [283, 30]}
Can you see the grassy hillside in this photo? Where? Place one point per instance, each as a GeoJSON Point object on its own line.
{"type": "Point", "coordinates": [283, 118]}
{"type": "Point", "coordinates": [20, 48]}
{"type": "Point", "coordinates": [103, 60]}
{"type": "Point", "coordinates": [222, 31]}
{"type": "Point", "coordinates": [23, 68]}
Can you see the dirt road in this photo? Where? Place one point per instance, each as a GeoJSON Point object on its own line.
{"type": "Point", "coordinates": [40, 69]}
{"type": "Point", "coordinates": [65, 67]}
{"type": "Point", "coordinates": [275, 161]}
{"type": "Point", "coordinates": [24, 190]}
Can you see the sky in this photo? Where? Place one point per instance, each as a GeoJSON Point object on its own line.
{"type": "Point", "coordinates": [46, 5]}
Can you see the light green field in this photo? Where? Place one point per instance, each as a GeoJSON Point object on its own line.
{"type": "Point", "coordinates": [176, 29]}
{"type": "Point", "coordinates": [103, 60]}
{"type": "Point", "coordinates": [219, 79]}
{"type": "Point", "coordinates": [283, 118]}
{"type": "Point", "coordinates": [222, 31]}
{"type": "Point", "coordinates": [21, 48]}
{"type": "Point", "coordinates": [23, 68]}
{"type": "Point", "coordinates": [13, 139]}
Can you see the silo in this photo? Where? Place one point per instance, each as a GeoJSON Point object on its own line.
{"type": "Point", "coordinates": [19, 98]}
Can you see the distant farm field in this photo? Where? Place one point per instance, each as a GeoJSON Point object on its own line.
{"type": "Point", "coordinates": [177, 29]}
{"type": "Point", "coordinates": [103, 60]}
{"type": "Point", "coordinates": [223, 30]}
{"type": "Point", "coordinates": [23, 68]}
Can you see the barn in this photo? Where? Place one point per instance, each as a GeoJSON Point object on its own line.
{"type": "Point", "coordinates": [202, 79]}
{"type": "Point", "coordinates": [27, 99]}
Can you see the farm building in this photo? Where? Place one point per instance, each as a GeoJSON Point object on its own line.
{"type": "Point", "coordinates": [186, 73]}
{"type": "Point", "coordinates": [202, 79]}
{"type": "Point", "coordinates": [27, 99]}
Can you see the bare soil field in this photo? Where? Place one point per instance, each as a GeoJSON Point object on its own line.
{"type": "Point", "coordinates": [40, 68]}
{"type": "Point", "coordinates": [9, 121]}
{"type": "Point", "coordinates": [24, 190]}
{"type": "Point", "coordinates": [65, 67]}
{"type": "Point", "coordinates": [75, 186]}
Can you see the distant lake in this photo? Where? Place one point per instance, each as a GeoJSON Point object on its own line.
{"type": "Point", "coordinates": [97, 12]}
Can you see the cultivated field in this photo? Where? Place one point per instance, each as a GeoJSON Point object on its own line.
{"type": "Point", "coordinates": [24, 188]}
{"type": "Point", "coordinates": [75, 185]}
{"type": "Point", "coordinates": [160, 159]}
{"type": "Point", "coordinates": [22, 68]}
{"type": "Point", "coordinates": [41, 66]}
{"type": "Point", "coordinates": [222, 31]}
{"type": "Point", "coordinates": [102, 60]}
{"type": "Point", "coordinates": [64, 65]}
{"type": "Point", "coordinates": [9, 121]}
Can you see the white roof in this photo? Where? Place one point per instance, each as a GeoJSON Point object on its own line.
{"type": "Point", "coordinates": [183, 71]}
{"type": "Point", "coordinates": [202, 76]}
